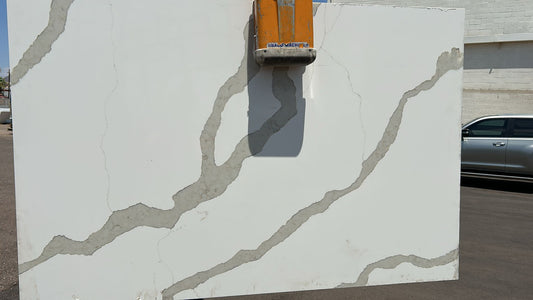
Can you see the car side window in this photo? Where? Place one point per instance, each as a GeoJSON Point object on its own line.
{"type": "Point", "coordinates": [488, 128]}
{"type": "Point", "coordinates": [522, 128]}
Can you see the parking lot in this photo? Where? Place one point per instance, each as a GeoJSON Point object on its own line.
{"type": "Point", "coordinates": [496, 245]}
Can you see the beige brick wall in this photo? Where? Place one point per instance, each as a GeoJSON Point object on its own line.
{"type": "Point", "coordinates": [497, 91]}
{"type": "Point", "coordinates": [478, 103]}
{"type": "Point", "coordinates": [498, 79]}
{"type": "Point", "coordinates": [483, 17]}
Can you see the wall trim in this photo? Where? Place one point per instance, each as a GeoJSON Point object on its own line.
{"type": "Point", "coordinates": [499, 38]}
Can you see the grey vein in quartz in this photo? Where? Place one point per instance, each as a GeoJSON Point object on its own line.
{"type": "Point", "coordinates": [43, 43]}
{"type": "Point", "coordinates": [213, 180]}
{"type": "Point", "coordinates": [447, 61]}
{"type": "Point", "coordinates": [315, 8]}
{"type": "Point", "coordinates": [394, 261]}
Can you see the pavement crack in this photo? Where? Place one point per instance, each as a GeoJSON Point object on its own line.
{"type": "Point", "coordinates": [447, 61]}
{"type": "Point", "coordinates": [43, 43]}
{"type": "Point", "coordinates": [394, 261]}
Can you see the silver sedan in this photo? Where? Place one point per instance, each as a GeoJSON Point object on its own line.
{"type": "Point", "coordinates": [499, 147]}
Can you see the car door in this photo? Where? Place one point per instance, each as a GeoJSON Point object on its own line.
{"type": "Point", "coordinates": [484, 146]}
{"type": "Point", "coordinates": [519, 155]}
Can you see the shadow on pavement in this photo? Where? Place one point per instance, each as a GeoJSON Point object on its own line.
{"type": "Point", "coordinates": [500, 185]}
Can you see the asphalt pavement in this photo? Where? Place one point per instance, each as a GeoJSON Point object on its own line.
{"type": "Point", "coordinates": [496, 246]}
{"type": "Point", "coordinates": [8, 230]}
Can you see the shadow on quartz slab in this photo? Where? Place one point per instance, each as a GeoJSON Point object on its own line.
{"type": "Point", "coordinates": [276, 112]}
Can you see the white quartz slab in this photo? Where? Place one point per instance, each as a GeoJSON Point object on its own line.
{"type": "Point", "coordinates": [155, 160]}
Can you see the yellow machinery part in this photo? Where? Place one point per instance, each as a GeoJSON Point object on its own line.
{"type": "Point", "coordinates": [284, 32]}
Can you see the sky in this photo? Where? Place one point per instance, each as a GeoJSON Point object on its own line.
{"type": "Point", "coordinates": [4, 52]}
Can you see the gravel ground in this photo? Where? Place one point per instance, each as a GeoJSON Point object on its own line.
{"type": "Point", "coordinates": [8, 229]}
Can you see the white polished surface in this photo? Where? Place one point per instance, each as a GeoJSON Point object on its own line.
{"type": "Point", "coordinates": [150, 118]}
